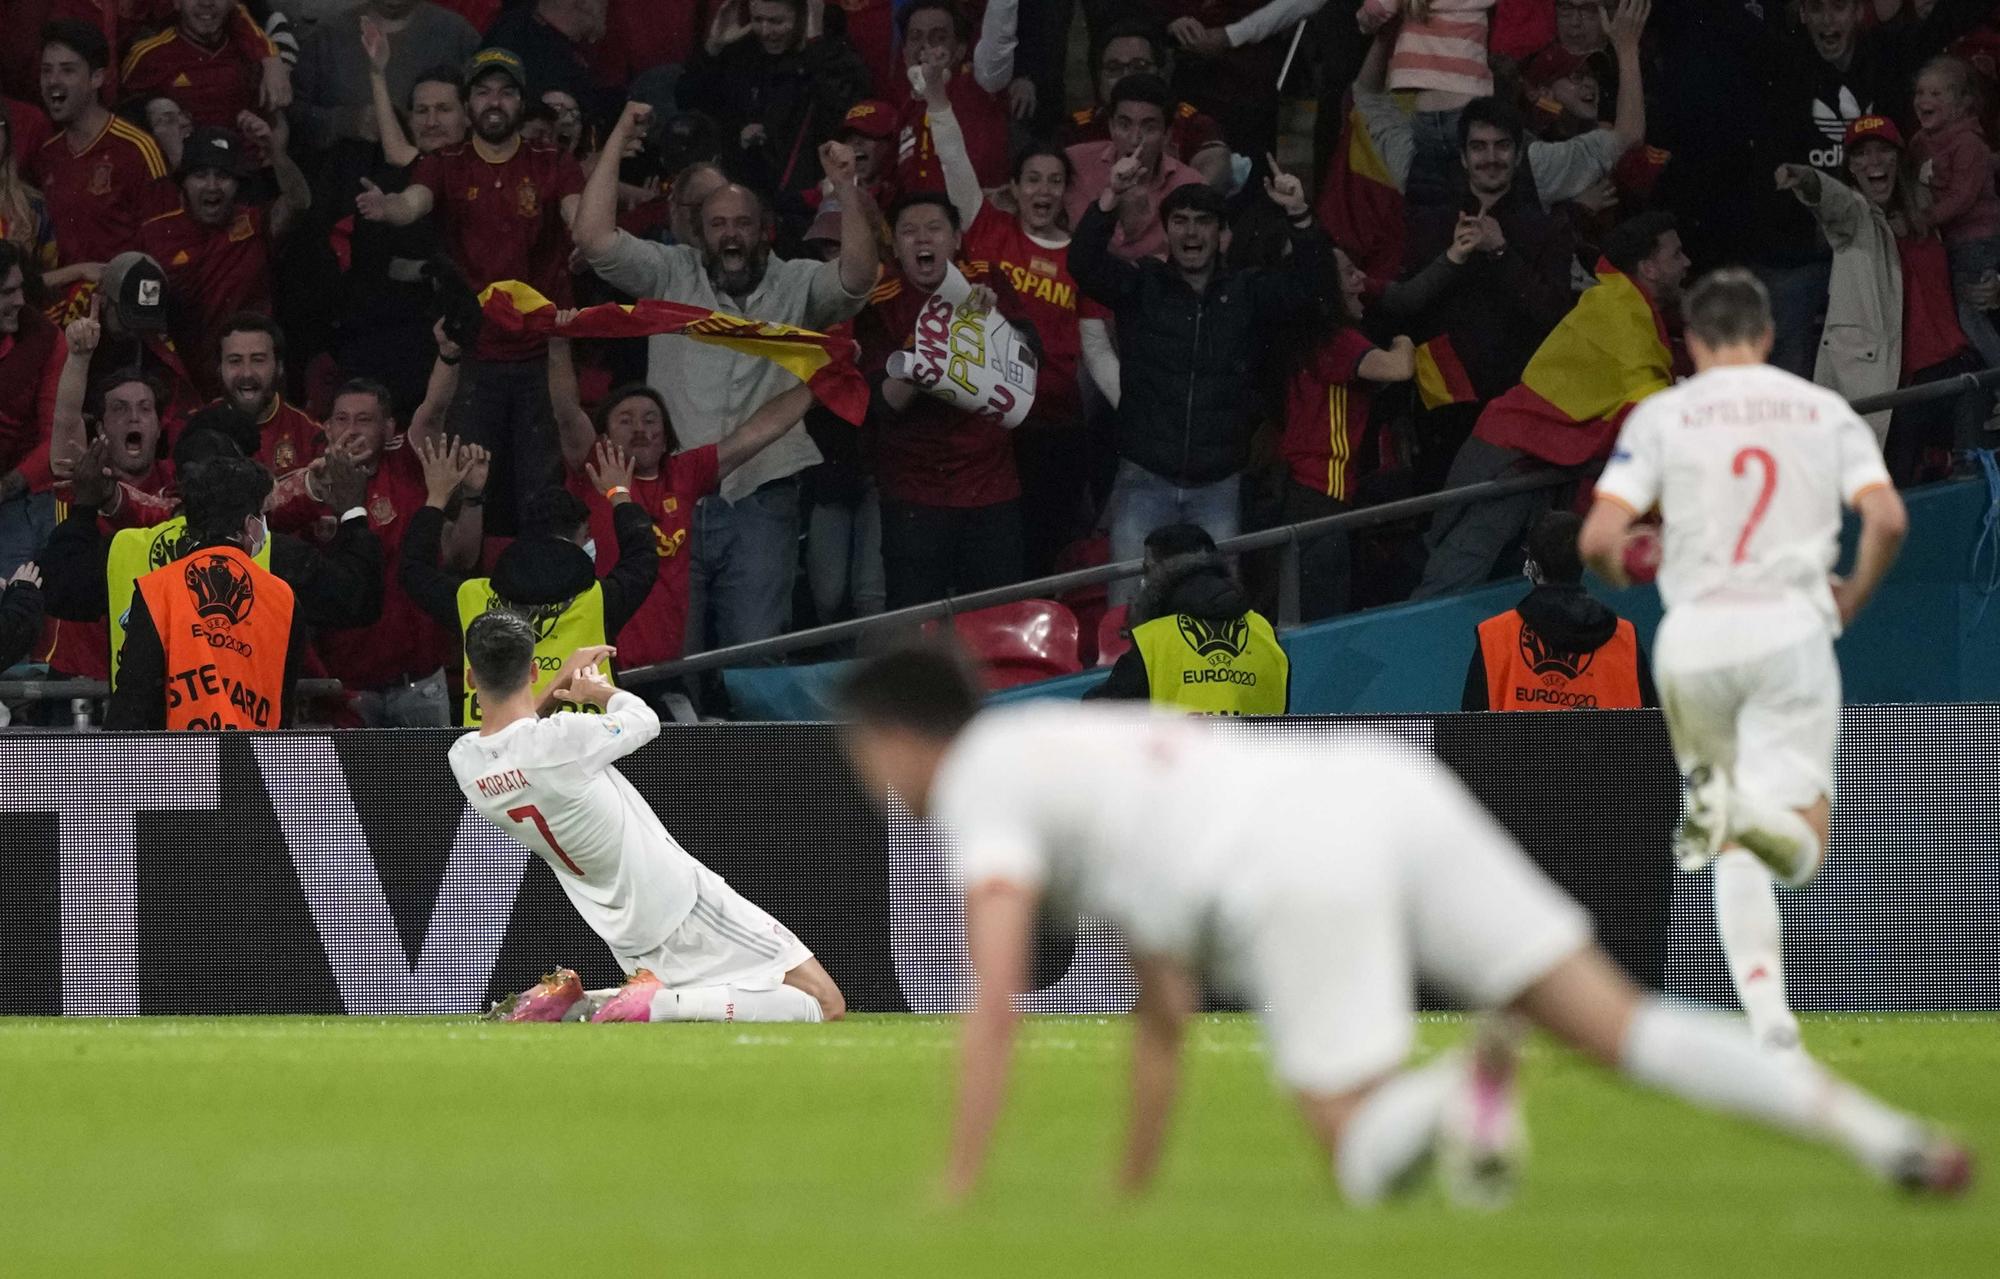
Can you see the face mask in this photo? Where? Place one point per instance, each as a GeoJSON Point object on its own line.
{"type": "Point", "coordinates": [590, 548]}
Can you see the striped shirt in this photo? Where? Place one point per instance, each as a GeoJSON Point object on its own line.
{"type": "Point", "coordinates": [1444, 51]}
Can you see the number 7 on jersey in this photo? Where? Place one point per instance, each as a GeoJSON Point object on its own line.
{"type": "Point", "coordinates": [529, 813]}
{"type": "Point", "coordinates": [1769, 465]}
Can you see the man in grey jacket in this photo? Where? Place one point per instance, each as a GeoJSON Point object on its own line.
{"type": "Point", "coordinates": [745, 540]}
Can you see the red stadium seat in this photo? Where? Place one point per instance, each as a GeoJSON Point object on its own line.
{"type": "Point", "coordinates": [1112, 641]}
{"type": "Point", "coordinates": [1020, 643]}
{"type": "Point", "coordinates": [1087, 602]}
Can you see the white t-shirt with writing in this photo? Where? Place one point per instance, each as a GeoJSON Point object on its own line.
{"type": "Point", "coordinates": [550, 784]}
{"type": "Point", "coordinates": [1751, 468]}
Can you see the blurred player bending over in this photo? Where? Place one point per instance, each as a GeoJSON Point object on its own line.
{"type": "Point", "coordinates": [1116, 813]}
{"type": "Point", "coordinates": [695, 948]}
{"type": "Point", "coordinates": [1751, 468]}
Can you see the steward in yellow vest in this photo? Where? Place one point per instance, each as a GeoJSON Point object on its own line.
{"type": "Point", "coordinates": [1559, 649]}
{"type": "Point", "coordinates": [547, 575]}
{"type": "Point", "coordinates": [213, 640]}
{"type": "Point", "coordinates": [1196, 643]}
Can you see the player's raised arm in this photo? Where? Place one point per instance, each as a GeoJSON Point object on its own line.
{"type": "Point", "coordinates": [626, 724]}
{"type": "Point", "coordinates": [1167, 996]}
{"type": "Point", "coordinates": [998, 919]}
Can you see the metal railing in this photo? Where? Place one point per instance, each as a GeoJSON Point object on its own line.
{"type": "Point", "coordinates": [1291, 537]}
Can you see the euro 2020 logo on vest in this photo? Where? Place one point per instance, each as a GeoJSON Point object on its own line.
{"type": "Point", "coordinates": [543, 617]}
{"type": "Point", "coordinates": [1552, 663]}
{"type": "Point", "coordinates": [1215, 639]}
{"type": "Point", "coordinates": [222, 590]}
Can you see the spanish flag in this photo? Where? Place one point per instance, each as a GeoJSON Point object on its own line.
{"type": "Point", "coordinates": [1441, 375]}
{"type": "Point", "coordinates": [825, 364]}
{"type": "Point", "coordinates": [1609, 352]}
{"type": "Point", "coordinates": [1360, 204]}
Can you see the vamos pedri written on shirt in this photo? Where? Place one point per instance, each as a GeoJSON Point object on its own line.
{"type": "Point", "coordinates": [973, 360]}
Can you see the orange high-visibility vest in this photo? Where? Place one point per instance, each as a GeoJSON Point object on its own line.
{"type": "Point", "coordinates": [225, 624]}
{"type": "Point", "coordinates": [1525, 673]}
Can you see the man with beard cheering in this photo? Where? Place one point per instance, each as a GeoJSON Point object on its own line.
{"type": "Point", "coordinates": [745, 539]}
{"type": "Point", "coordinates": [504, 203]}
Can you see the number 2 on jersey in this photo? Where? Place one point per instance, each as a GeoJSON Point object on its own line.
{"type": "Point", "coordinates": [1769, 465]}
{"type": "Point", "coordinates": [529, 813]}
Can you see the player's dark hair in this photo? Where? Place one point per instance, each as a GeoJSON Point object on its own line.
{"type": "Point", "coordinates": [219, 494]}
{"type": "Point", "coordinates": [1040, 148]}
{"type": "Point", "coordinates": [500, 649]}
{"type": "Point", "coordinates": [959, 22]}
{"type": "Point", "coordinates": [915, 199]}
{"type": "Point", "coordinates": [1149, 89]}
{"type": "Point", "coordinates": [80, 38]}
{"type": "Point", "coordinates": [252, 322]}
{"type": "Point", "coordinates": [1172, 540]}
{"type": "Point", "coordinates": [1552, 547]}
{"type": "Point", "coordinates": [1198, 196]}
{"type": "Point", "coordinates": [385, 400]}
{"type": "Point", "coordinates": [926, 687]}
{"type": "Point", "coordinates": [93, 400]}
{"type": "Point", "coordinates": [601, 417]}
{"type": "Point", "coordinates": [1494, 113]}
{"type": "Point", "coordinates": [1636, 239]}
{"type": "Point", "coordinates": [1727, 308]}
{"type": "Point", "coordinates": [443, 73]}
{"type": "Point", "coordinates": [220, 430]}
{"type": "Point", "coordinates": [554, 511]}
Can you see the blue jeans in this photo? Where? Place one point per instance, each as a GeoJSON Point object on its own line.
{"type": "Point", "coordinates": [1798, 294]}
{"type": "Point", "coordinates": [844, 557]}
{"type": "Point", "coordinates": [1142, 501]}
{"type": "Point", "coordinates": [1970, 262]}
{"type": "Point", "coordinates": [746, 554]}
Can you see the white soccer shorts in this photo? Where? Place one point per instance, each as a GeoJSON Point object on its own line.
{"type": "Point", "coordinates": [726, 940]}
{"type": "Point", "coordinates": [1426, 884]}
{"type": "Point", "coordinates": [1752, 691]}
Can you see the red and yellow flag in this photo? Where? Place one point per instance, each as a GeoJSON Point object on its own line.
{"type": "Point", "coordinates": [1607, 354]}
{"type": "Point", "coordinates": [1360, 205]}
{"type": "Point", "coordinates": [1441, 375]}
{"type": "Point", "coordinates": [824, 363]}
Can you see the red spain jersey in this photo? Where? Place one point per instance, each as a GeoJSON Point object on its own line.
{"type": "Point", "coordinates": [982, 118]}
{"type": "Point", "coordinates": [1326, 416]}
{"type": "Point", "coordinates": [503, 221]}
{"type": "Point", "coordinates": [1049, 298]}
{"type": "Point", "coordinates": [212, 85]}
{"type": "Point", "coordinates": [658, 631]}
{"type": "Point", "coordinates": [100, 196]}
{"type": "Point", "coordinates": [212, 273]}
{"type": "Point", "coordinates": [932, 454]}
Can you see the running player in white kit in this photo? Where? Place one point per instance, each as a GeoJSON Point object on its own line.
{"type": "Point", "coordinates": [1210, 851]}
{"type": "Point", "coordinates": [695, 949]}
{"type": "Point", "coordinates": [1751, 469]}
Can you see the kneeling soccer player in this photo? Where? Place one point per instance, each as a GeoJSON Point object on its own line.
{"type": "Point", "coordinates": [1202, 846]}
{"type": "Point", "coordinates": [695, 949]}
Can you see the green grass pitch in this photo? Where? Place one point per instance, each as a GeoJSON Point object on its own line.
{"type": "Point", "coordinates": [293, 1146]}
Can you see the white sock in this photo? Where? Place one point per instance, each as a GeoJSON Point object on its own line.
{"type": "Point", "coordinates": [1392, 1130]}
{"type": "Point", "coordinates": [735, 1003]}
{"type": "Point", "coordinates": [1705, 1060]}
{"type": "Point", "coordinates": [1746, 916]}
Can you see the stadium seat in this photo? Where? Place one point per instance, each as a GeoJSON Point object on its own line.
{"type": "Point", "coordinates": [1020, 643]}
{"type": "Point", "coordinates": [1087, 602]}
{"type": "Point", "coordinates": [1112, 641]}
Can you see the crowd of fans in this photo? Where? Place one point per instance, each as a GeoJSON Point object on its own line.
{"type": "Point", "coordinates": [260, 230]}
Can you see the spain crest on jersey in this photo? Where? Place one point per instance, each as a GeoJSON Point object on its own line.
{"type": "Point", "coordinates": [526, 201]}
{"type": "Point", "coordinates": [100, 178]}
{"type": "Point", "coordinates": [285, 456]}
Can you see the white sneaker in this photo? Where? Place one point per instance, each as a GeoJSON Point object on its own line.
{"type": "Point", "coordinates": [1706, 825]}
{"type": "Point", "coordinates": [1482, 1144]}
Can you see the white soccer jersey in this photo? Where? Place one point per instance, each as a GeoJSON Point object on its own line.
{"type": "Point", "coordinates": [550, 783]}
{"type": "Point", "coordinates": [1751, 468]}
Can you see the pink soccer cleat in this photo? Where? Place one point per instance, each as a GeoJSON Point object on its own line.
{"type": "Point", "coordinates": [549, 999]}
{"type": "Point", "coordinates": [1939, 1167]}
{"type": "Point", "coordinates": [634, 1002]}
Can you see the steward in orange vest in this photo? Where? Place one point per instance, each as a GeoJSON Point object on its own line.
{"type": "Point", "coordinates": [1559, 649]}
{"type": "Point", "coordinates": [213, 640]}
